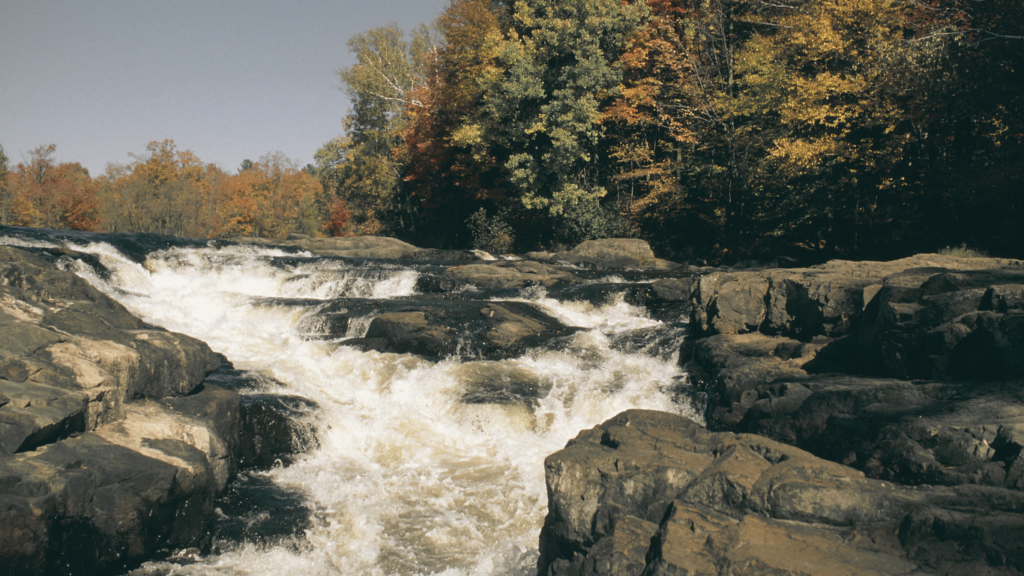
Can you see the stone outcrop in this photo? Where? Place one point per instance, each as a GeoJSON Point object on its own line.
{"type": "Point", "coordinates": [615, 253]}
{"type": "Point", "coordinates": [822, 358]}
{"type": "Point", "coordinates": [942, 433]}
{"type": "Point", "coordinates": [653, 493]}
{"type": "Point", "coordinates": [71, 358]}
{"type": "Point", "coordinates": [375, 247]}
{"type": "Point", "coordinates": [928, 316]}
{"type": "Point", "coordinates": [442, 328]}
{"type": "Point", "coordinates": [509, 275]}
{"type": "Point", "coordinates": [112, 446]}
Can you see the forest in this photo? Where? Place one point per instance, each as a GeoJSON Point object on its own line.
{"type": "Point", "coordinates": [717, 130]}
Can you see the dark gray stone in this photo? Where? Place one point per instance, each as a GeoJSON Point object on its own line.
{"type": "Point", "coordinates": [728, 503]}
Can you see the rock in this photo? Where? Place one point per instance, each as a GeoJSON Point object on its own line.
{"type": "Point", "coordinates": [373, 247]}
{"type": "Point", "coordinates": [347, 247]}
{"type": "Point", "coordinates": [654, 493]}
{"type": "Point", "coordinates": [539, 255]}
{"type": "Point", "coordinates": [111, 446]}
{"type": "Point", "coordinates": [930, 323]}
{"type": "Point", "coordinates": [820, 300]}
{"type": "Point", "coordinates": [732, 368]}
{"type": "Point", "coordinates": [509, 275]}
{"type": "Point", "coordinates": [946, 433]}
{"type": "Point", "coordinates": [928, 316]}
{"type": "Point", "coordinates": [439, 328]}
{"type": "Point", "coordinates": [613, 253]}
{"type": "Point", "coordinates": [108, 499]}
{"type": "Point", "coordinates": [70, 357]}
{"type": "Point", "coordinates": [273, 430]}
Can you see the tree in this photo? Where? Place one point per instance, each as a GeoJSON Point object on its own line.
{"type": "Point", "coordinates": [273, 199]}
{"type": "Point", "coordinates": [359, 168]}
{"type": "Point", "coordinates": [544, 108]}
{"type": "Point", "coordinates": [44, 194]}
{"type": "Point", "coordinates": [449, 171]}
{"type": "Point", "coordinates": [165, 191]}
{"type": "Point", "coordinates": [5, 197]}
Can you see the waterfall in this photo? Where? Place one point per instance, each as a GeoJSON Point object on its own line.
{"type": "Point", "coordinates": [421, 467]}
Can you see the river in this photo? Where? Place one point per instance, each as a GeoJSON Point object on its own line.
{"type": "Point", "coordinates": [419, 466]}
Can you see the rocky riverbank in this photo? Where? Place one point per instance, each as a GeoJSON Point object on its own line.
{"type": "Point", "coordinates": [113, 445]}
{"type": "Point", "coordinates": [902, 381]}
{"type": "Point", "coordinates": [862, 417]}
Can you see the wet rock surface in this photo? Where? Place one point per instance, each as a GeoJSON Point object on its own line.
{"type": "Point", "coordinates": [112, 446]}
{"type": "Point", "coordinates": [908, 371]}
{"type": "Point", "coordinates": [471, 328]}
{"type": "Point", "coordinates": [374, 247]}
{"type": "Point", "coordinates": [654, 493]}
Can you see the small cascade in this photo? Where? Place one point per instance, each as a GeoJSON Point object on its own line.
{"type": "Point", "coordinates": [422, 466]}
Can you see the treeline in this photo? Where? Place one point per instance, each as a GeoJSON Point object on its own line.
{"type": "Point", "coordinates": [165, 191]}
{"type": "Point", "coordinates": [715, 129]}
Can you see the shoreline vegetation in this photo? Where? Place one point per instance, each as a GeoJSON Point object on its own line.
{"type": "Point", "coordinates": [718, 131]}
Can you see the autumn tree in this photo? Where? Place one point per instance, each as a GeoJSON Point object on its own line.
{"type": "Point", "coordinates": [165, 191]}
{"type": "Point", "coordinates": [272, 199]}
{"type": "Point", "coordinates": [449, 170]}
{"type": "Point", "coordinates": [45, 194]}
{"type": "Point", "coordinates": [5, 197]}
{"type": "Point", "coordinates": [543, 110]}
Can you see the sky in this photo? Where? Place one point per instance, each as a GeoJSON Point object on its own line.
{"type": "Point", "coordinates": [227, 79]}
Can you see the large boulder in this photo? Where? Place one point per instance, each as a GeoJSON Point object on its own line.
{"type": "Point", "coordinates": [654, 493]}
{"type": "Point", "coordinates": [347, 247]}
{"type": "Point", "coordinates": [439, 328]}
{"type": "Point", "coordinates": [615, 253]}
{"type": "Point", "coordinates": [734, 368]}
{"type": "Point", "coordinates": [825, 300]}
{"type": "Point", "coordinates": [946, 433]}
{"type": "Point", "coordinates": [111, 446]}
{"type": "Point", "coordinates": [485, 329]}
{"type": "Point", "coordinates": [274, 428]}
{"type": "Point", "coordinates": [508, 275]}
{"type": "Point", "coordinates": [947, 323]}
{"type": "Point", "coordinates": [71, 358]}
{"type": "Point", "coordinates": [108, 499]}
{"type": "Point", "coordinates": [369, 247]}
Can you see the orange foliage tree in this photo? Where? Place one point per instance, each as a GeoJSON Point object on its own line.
{"type": "Point", "coordinates": [45, 194]}
{"type": "Point", "coordinates": [272, 199]}
{"type": "Point", "coordinates": [448, 166]}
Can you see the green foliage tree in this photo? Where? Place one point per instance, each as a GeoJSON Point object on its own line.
{"type": "Point", "coordinates": [543, 110]}
{"type": "Point", "coordinates": [359, 169]}
{"type": "Point", "coordinates": [5, 195]}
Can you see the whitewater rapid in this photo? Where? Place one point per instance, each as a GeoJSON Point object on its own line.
{"type": "Point", "coordinates": [407, 476]}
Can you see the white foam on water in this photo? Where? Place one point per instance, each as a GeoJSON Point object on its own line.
{"type": "Point", "coordinates": [408, 477]}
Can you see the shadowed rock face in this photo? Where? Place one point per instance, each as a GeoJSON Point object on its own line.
{"type": "Point", "coordinates": [437, 327]}
{"type": "Point", "coordinates": [110, 446]}
{"type": "Point", "coordinates": [71, 358]}
{"type": "Point", "coordinates": [654, 493]}
{"type": "Point", "coordinates": [835, 385]}
{"type": "Point", "coordinates": [928, 316]}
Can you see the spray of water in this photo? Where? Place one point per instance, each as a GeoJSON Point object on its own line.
{"type": "Point", "coordinates": [422, 467]}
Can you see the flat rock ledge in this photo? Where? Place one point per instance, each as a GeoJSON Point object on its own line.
{"type": "Point", "coordinates": [910, 371]}
{"type": "Point", "coordinates": [650, 493]}
{"type": "Point", "coordinates": [371, 247]}
{"type": "Point", "coordinates": [112, 445]}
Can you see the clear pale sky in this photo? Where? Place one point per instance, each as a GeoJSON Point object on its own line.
{"type": "Point", "coordinates": [227, 79]}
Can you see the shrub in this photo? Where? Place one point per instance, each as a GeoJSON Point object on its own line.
{"type": "Point", "coordinates": [491, 233]}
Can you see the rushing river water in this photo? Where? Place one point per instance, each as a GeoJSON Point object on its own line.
{"type": "Point", "coordinates": [407, 476]}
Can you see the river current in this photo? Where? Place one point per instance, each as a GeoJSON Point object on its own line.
{"type": "Point", "coordinates": [406, 475]}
